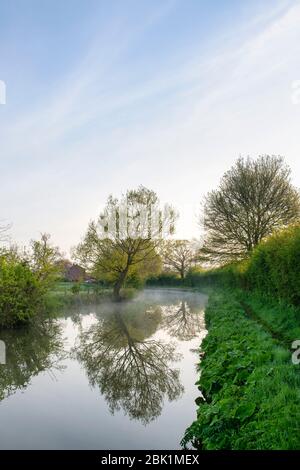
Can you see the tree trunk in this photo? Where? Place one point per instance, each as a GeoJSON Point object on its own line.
{"type": "Point", "coordinates": [182, 272]}
{"type": "Point", "coordinates": [118, 286]}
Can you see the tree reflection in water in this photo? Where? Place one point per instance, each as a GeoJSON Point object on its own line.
{"type": "Point", "coordinates": [29, 351]}
{"type": "Point", "coordinates": [132, 368]}
{"type": "Point", "coordinates": [183, 321]}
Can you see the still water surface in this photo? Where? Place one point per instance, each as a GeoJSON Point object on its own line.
{"type": "Point", "coordinates": [108, 376]}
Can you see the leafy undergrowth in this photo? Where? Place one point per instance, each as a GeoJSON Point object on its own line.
{"type": "Point", "coordinates": [250, 385]}
{"type": "Point", "coordinates": [282, 319]}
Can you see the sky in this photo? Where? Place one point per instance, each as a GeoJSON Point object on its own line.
{"type": "Point", "coordinates": [105, 96]}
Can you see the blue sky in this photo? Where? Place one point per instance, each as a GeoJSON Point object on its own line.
{"type": "Point", "coordinates": [104, 96]}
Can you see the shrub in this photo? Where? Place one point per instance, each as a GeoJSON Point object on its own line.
{"type": "Point", "coordinates": [229, 275]}
{"type": "Point", "coordinates": [195, 276]}
{"type": "Point", "coordinates": [75, 288]}
{"type": "Point", "coordinates": [164, 279]}
{"type": "Point", "coordinates": [274, 267]}
{"type": "Point", "coordinates": [20, 293]}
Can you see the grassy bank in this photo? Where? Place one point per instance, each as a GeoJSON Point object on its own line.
{"type": "Point", "coordinates": [251, 388]}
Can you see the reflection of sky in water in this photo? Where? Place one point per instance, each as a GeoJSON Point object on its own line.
{"type": "Point", "coordinates": [128, 366]}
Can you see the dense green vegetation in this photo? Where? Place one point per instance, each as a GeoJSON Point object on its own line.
{"type": "Point", "coordinates": [165, 280]}
{"type": "Point", "coordinates": [26, 276]}
{"type": "Point", "coordinates": [274, 267]}
{"type": "Point", "coordinates": [71, 293]}
{"type": "Point", "coordinates": [273, 270]}
{"type": "Point", "coordinates": [250, 386]}
{"type": "Point", "coordinates": [20, 292]}
{"type": "Point", "coordinates": [249, 383]}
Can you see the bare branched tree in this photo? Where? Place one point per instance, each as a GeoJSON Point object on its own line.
{"type": "Point", "coordinates": [255, 197]}
{"type": "Point", "coordinates": [178, 255]}
{"type": "Point", "coordinates": [182, 321]}
{"type": "Point", "coordinates": [4, 231]}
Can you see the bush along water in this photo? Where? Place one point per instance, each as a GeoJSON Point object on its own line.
{"type": "Point", "coordinates": [274, 267]}
{"type": "Point", "coordinates": [21, 293]}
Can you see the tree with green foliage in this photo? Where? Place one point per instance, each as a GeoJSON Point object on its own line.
{"type": "Point", "coordinates": [124, 241]}
{"type": "Point", "coordinates": [45, 260]}
{"type": "Point", "coordinates": [255, 197]}
{"type": "Point", "coordinates": [20, 292]}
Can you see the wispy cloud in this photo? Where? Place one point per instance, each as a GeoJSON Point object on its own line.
{"type": "Point", "coordinates": [102, 128]}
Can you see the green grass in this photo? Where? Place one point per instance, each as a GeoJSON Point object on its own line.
{"type": "Point", "coordinates": [279, 318]}
{"type": "Point", "coordinates": [66, 287]}
{"type": "Point", "coordinates": [62, 294]}
{"type": "Point", "coordinates": [251, 387]}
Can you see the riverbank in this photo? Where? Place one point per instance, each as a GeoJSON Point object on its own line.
{"type": "Point", "coordinates": [249, 383]}
{"type": "Point", "coordinates": [66, 294]}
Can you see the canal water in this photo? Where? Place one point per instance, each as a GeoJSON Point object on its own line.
{"type": "Point", "coordinates": [106, 376]}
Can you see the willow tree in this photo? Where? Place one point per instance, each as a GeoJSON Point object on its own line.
{"type": "Point", "coordinates": [255, 197]}
{"type": "Point", "coordinates": [45, 260]}
{"type": "Point", "coordinates": [125, 238]}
